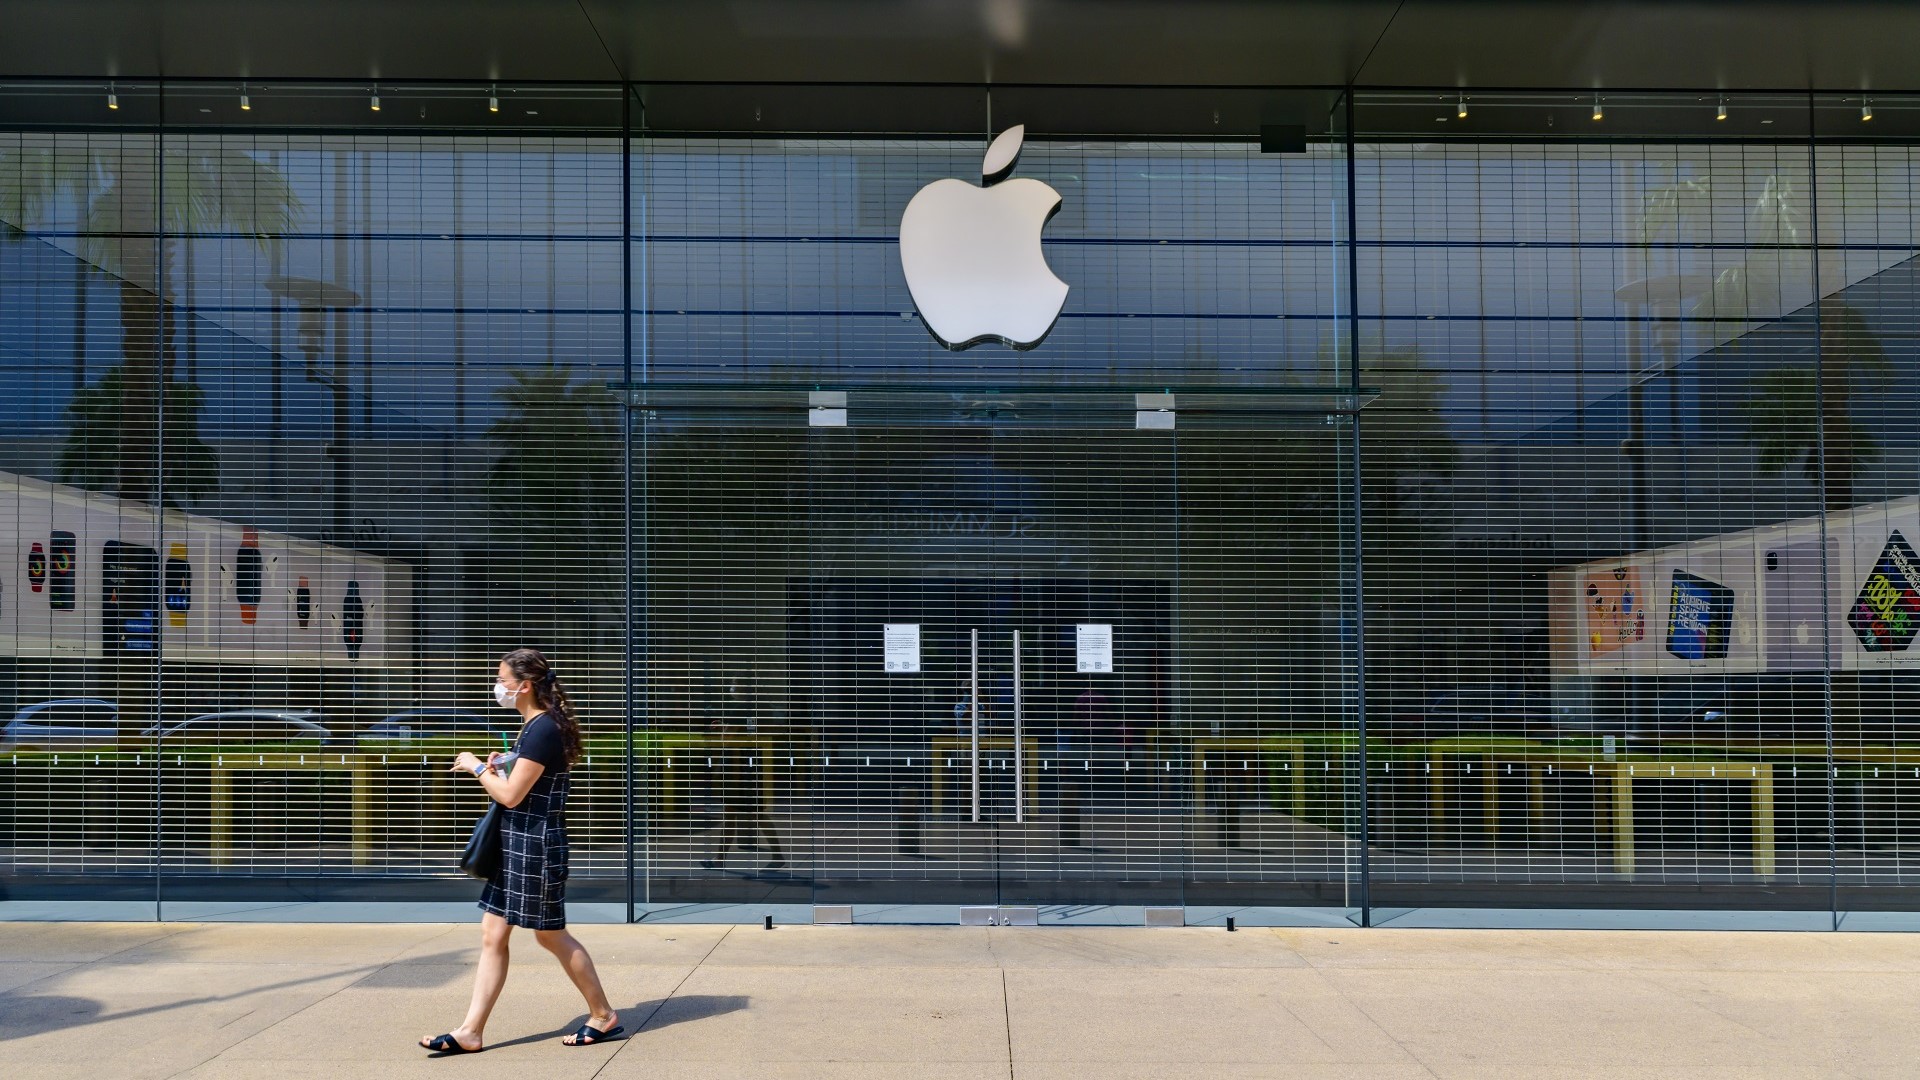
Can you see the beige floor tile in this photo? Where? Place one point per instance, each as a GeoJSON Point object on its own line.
{"type": "Point", "coordinates": [1560, 1071]}
{"type": "Point", "coordinates": [1197, 947]}
{"type": "Point", "coordinates": [876, 946]}
{"type": "Point", "coordinates": [153, 1019]}
{"type": "Point", "coordinates": [1428, 949]}
{"type": "Point", "coordinates": [384, 1015]}
{"type": "Point", "coordinates": [1576, 1018]}
{"type": "Point", "coordinates": [76, 941]}
{"type": "Point", "coordinates": [16, 974]}
{"type": "Point", "coordinates": [632, 1066]}
{"type": "Point", "coordinates": [292, 943]}
{"type": "Point", "coordinates": [1172, 1016]}
{"type": "Point", "coordinates": [1220, 1070]}
{"type": "Point", "coordinates": [843, 1012]}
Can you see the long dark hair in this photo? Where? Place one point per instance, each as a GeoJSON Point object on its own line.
{"type": "Point", "coordinates": [532, 666]}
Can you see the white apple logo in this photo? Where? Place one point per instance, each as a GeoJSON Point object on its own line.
{"type": "Point", "coordinates": [972, 255]}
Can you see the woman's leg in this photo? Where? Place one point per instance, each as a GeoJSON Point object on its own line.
{"type": "Point", "coordinates": [579, 967]}
{"type": "Point", "coordinates": [487, 981]}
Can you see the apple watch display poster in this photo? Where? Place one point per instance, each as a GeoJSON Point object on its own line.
{"type": "Point", "coordinates": [129, 597]}
{"type": "Point", "coordinates": [353, 621]}
{"type": "Point", "coordinates": [63, 556]}
{"type": "Point", "coordinates": [37, 567]}
{"type": "Point", "coordinates": [249, 577]}
{"type": "Point", "coordinates": [179, 585]}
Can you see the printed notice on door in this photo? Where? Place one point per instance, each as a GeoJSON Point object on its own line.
{"type": "Point", "coordinates": [1096, 648]}
{"type": "Point", "coordinates": [902, 648]}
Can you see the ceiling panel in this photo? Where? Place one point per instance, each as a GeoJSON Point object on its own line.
{"type": "Point", "coordinates": [1651, 44]}
{"type": "Point", "coordinates": [1838, 45]}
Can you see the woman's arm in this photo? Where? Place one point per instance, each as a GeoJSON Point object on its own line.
{"type": "Point", "coordinates": [506, 790]}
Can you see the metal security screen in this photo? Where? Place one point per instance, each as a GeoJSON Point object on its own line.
{"type": "Point", "coordinates": [994, 647]}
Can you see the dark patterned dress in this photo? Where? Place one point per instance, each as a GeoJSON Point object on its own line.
{"type": "Point", "coordinates": [530, 886]}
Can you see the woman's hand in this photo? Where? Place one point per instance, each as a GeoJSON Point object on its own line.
{"type": "Point", "coordinates": [465, 763]}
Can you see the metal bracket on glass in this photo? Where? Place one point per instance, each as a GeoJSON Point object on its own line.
{"type": "Point", "coordinates": [1153, 412]}
{"type": "Point", "coordinates": [826, 408]}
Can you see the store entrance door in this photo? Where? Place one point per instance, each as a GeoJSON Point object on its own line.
{"type": "Point", "coordinates": [910, 653]}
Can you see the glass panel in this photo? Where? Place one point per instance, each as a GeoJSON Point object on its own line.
{"type": "Point", "coordinates": [376, 422]}
{"type": "Point", "coordinates": [1173, 730]}
{"type": "Point", "coordinates": [1866, 222]}
{"type": "Point", "coordinates": [81, 289]}
{"type": "Point", "coordinates": [1591, 531]}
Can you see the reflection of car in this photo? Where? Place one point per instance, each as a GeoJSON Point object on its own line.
{"type": "Point", "coordinates": [244, 726]}
{"type": "Point", "coordinates": [434, 723]}
{"type": "Point", "coordinates": [63, 724]}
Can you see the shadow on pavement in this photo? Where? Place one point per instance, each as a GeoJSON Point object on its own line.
{"type": "Point", "coordinates": [24, 1013]}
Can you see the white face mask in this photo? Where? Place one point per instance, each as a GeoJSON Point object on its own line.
{"type": "Point", "coordinates": [503, 695]}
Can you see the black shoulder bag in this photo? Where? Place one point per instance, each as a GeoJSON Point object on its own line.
{"type": "Point", "coordinates": [482, 856]}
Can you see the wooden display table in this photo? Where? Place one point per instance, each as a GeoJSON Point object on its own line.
{"type": "Point", "coordinates": [221, 770]}
{"type": "Point", "coordinates": [1262, 749]}
{"type": "Point", "coordinates": [1618, 775]}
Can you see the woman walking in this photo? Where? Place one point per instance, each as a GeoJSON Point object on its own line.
{"type": "Point", "coordinates": [529, 886]}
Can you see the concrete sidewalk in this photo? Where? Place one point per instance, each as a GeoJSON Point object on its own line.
{"type": "Point", "coordinates": [264, 1000]}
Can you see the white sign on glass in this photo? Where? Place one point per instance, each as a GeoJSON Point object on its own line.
{"type": "Point", "coordinates": [1095, 648]}
{"type": "Point", "coordinates": [902, 648]}
{"type": "Point", "coordinates": [972, 254]}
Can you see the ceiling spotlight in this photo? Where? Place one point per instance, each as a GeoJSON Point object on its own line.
{"type": "Point", "coordinates": [1866, 108]}
{"type": "Point", "coordinates": [375, 103]}
{"type": "Point", "coordinates": [1462, 110]}
{"type": "Point", "coordinates": [1722, 114]}
{"type": "Point", "coordinates": [1599, 113]}
{"type": "Point", "coordinates": [113, 97]}
{"type": "Point", "coordinates": [493, 99]}
{"type": "Point", "coordinates": [246, 104]}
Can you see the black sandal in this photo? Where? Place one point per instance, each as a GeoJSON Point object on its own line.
{"type": "Point", "coordinates": [447, 1044]}
{"type": "Point", "coordinates": [587, 1036]}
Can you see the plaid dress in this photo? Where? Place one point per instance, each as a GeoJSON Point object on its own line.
{"type": "Point", "coordinates": [529, 888]}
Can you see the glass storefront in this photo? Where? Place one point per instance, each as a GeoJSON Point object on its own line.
{"type": "Point", "coordinates": [1461, 502]}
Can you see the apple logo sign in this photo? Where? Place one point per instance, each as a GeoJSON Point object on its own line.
{"type": "Point", "coordinates": [972, 255]}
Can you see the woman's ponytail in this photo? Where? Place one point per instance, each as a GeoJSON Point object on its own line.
{"type": "Point", "coordinates": [531, 666]}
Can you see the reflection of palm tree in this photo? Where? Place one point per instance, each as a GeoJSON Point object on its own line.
{"type": "Point", "coordinates": [93, 455]}
{"type": "Point", "coordinates": [131, 232]}
{"type": "Point", "coordinates": [558, 472]}
{"type": "Point", "coordinates": [1791, 416]}
{"type": "Point", "coordinates": [1785, 417]}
